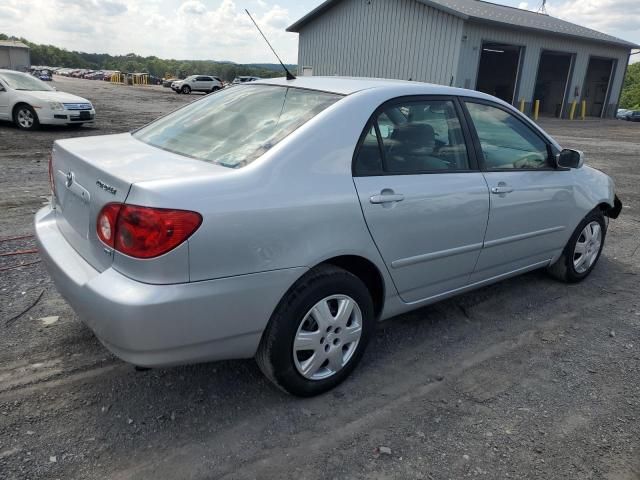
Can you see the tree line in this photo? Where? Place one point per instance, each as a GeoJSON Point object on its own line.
{"type": "Point", "coordinates": [52, 56]}
{"type": "Point", "coordinates": [630, 97]}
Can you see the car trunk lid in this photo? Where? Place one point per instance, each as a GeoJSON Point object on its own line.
{"type": "Point", "coordinates": [90, 172]}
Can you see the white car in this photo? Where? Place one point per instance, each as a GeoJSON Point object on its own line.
{"type": "Point", "coordinates": [197, 83]}
{"type": "Point", "coordinates": [29, 102]}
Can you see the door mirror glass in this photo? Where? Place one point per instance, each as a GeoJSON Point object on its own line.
{"type": "Point", "coordinates": [569, 158]}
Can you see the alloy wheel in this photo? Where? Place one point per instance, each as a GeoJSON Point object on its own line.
{"type": "Point", "coordinates": [25, 118]}
{"type": "Point", "coordinates": [327, 337]}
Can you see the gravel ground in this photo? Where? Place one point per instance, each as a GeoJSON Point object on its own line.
{"type": "Point", "coordinates": [528, 378]}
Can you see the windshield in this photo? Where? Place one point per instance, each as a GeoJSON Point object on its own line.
{"type": "Point", "coordinates": [234, 127]}
{"type": "Point", "coordinates": [22, 81]}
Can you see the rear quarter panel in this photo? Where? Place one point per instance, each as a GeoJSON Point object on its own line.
{"type": "Point", "coordinates": [296, 206]}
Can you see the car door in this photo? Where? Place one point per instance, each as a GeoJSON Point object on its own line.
{"type": "Point", "coordinates": [204, 83]}
{"type": "Point", "coordinates": [4, 102]}
{"type": "Point", "coordinates": [424, 201]}
{"type": "Point", "coordinates": [532, 201]}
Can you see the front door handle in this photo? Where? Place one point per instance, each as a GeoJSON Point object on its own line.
{"type": "Point", "coordinates": [501, 189]}
{"type": "Point", "coordinates": [386, 197]}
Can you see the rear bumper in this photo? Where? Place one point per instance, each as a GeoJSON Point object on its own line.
{"type": "Point", "coordinates": [160, 325]}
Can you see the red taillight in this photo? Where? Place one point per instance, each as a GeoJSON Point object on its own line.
{"type": "Point", "coordinates": [145, 232]}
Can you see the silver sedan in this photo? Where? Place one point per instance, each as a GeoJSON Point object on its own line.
{"type": "Point", "coordinates": [280, 220]}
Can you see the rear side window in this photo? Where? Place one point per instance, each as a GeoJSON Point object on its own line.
{"type": "Point", "coordinates": [507, 143]}
{"type": "Point", "coordinates": [237, 125]}
{"type": "Point", "coordinates": [411, 138]}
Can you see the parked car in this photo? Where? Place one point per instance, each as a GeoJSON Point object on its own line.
{"type": "Point", "coordinates": [168, 81]}
{"type": "Point", "coordinates": [244, 79]}
{"type": "Point", "coordinates": [197, 83]}
{"type": "Point", "coordinates": [622, 113]}
{"type": "Point", "coordinates": [29, 102]}
{"type": "Point", "coordinates": [633, 116]}
{"type": "Point", "coordinates": [280, 220]}
{"type": "Point", "coordinates": [42, 74]}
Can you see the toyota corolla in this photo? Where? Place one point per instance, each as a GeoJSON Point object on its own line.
{"type": "Point", "coordinates": [280, 220]}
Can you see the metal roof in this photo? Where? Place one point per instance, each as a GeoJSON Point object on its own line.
{"type": "Point", "coordinates": [487, 12]}
{"type": "Point", "coordinates": [12, 43]}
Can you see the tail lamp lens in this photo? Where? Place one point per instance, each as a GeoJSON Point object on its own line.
{"type": "Point", "coordinates": [144, 232]}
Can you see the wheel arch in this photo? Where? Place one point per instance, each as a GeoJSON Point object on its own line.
{"type": "Point", "coordinates": [18, 104]}
{"type": "Point", "coordinates": [365, 270]}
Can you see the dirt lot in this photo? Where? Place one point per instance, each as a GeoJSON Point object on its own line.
{"type": "Point", "coordinates": [528, 378]}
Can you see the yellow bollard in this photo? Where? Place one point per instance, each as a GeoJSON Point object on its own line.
{"type": "Point", "coordinates": [522, 105]}
{"type": "Point", "coordinates": [536, 110]}
{"type": "Point", "coordinates": [573, 110]}
{"type": "Point", "coordinates": [583, 109]}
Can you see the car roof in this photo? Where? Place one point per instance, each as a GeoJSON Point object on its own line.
{"type": "Point", "coordinates": [349, 85]}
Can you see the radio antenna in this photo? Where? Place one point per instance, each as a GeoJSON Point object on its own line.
{"type": "Point", "coordinates": [290, 76]}
{"type": "Point", "coordinates": [543, 8]}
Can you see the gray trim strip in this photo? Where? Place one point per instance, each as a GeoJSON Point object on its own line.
{"type": "Point", "coordinates": [403, 262]}
{"type": "Point", "coordinates": [522, 236]}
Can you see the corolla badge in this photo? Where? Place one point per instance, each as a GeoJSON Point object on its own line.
{"type": "Point", "coordinates": [105, 187]}
{"type": "Point", "coordinates": [69, 180]}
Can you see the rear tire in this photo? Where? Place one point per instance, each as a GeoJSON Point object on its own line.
{"type": "Point", "coordinates": [582, 251]}
{"type": "Point", "coordinates": [306, 353]}
{"type": "Point", "coordinates": [25, 117]}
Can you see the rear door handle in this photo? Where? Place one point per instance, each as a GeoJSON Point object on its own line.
{"type": "Point", "coordinates": [501, 189]}
{"type": "Point", "coordinates": [386, 198]}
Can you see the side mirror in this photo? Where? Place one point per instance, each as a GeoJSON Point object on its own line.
{"type": "Point", "coordinates": [569, 158]}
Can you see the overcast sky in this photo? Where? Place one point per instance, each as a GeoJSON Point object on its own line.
{"type": "Point", "coordinates": [220, 30]}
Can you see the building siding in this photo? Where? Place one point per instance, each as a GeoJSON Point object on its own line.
{"type": "Point", "coordinates": [471, 46]}
{"type": "Point", "coordinates": [400, 39]}
{"type": "Point", "coordinates": [14, 58]}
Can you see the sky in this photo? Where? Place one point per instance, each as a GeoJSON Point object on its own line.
{"type": "Point", "coordinates": [220, 30]}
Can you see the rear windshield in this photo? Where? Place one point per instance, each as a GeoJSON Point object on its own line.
{"type": "Point", "coordinates": [237, 125]}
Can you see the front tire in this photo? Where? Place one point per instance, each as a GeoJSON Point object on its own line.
{"type": "Point", "coordinates": [25, 117]}
{"type": "Point", "coordinates": [186, 89]}
{"type": "Point", "coordinates": [583, 250]}
{"type": "Point", "coordinates": [318, 332]}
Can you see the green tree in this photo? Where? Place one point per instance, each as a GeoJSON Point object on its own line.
{"type": "Point", "coordinates": [630, 97]}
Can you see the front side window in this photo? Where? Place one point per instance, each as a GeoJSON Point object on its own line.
{"type": "Point", "coordinates": [235, 126]}
{"type": "Point", "coordinates": [507, 143]}
{"type": "Point", "coordinates": [416, 137]}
